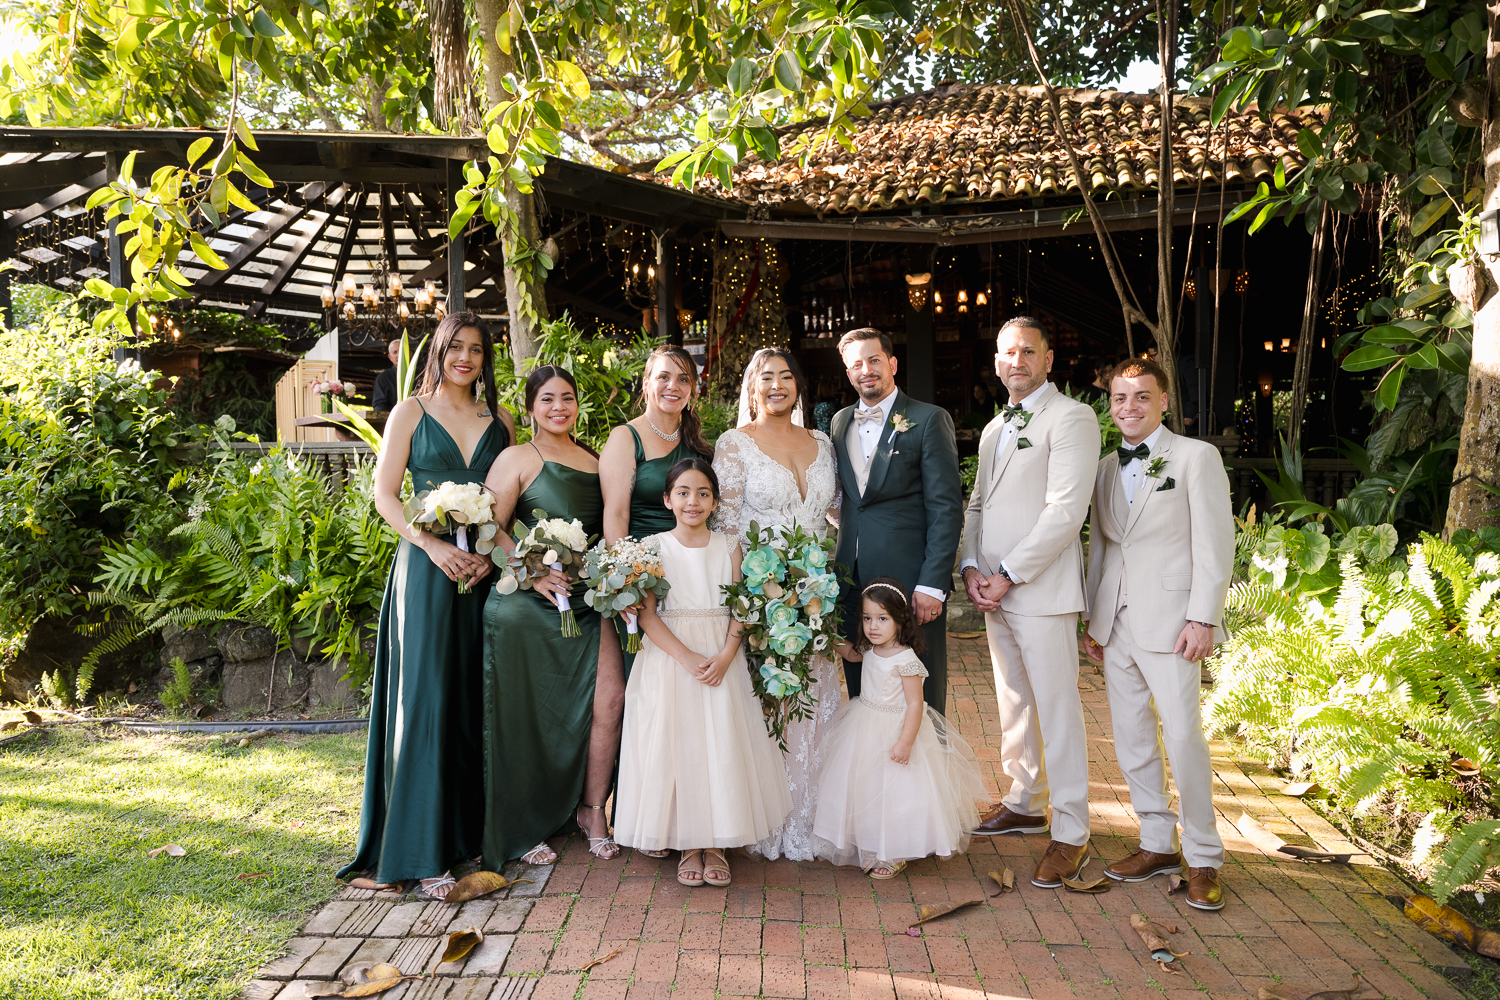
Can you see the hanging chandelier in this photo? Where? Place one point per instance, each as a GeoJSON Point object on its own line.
{"type": "Point", "coordinates": [383, 307]}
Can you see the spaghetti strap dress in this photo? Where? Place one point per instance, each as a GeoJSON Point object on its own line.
{"type": "Point", "coordinates": [648, 515]}
{"type": "Point", "coordinates": [538, 688]}
{"type": "Point", "coordinates": [423, 759]}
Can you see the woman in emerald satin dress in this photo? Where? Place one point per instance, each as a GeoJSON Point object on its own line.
{"type": "Point", "coordinates": [539, 684]}
{"type": "Point", "coordinates": [419, 816]}
{"type": "Point", "coordinates": [633, 475]}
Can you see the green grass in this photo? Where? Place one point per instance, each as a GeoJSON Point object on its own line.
{"type": "Point", "coordinates": [86, 914]}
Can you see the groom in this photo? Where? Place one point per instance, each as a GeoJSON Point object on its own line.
{"type": "Point", "coordinates": [902, 511]}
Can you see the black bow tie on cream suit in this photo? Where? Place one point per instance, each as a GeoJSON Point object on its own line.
{"type": "Point", "coordinates": [905, 522]}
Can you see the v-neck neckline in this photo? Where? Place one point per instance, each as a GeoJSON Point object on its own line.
{"type": "Point", "coordinates": [469, 462]}
{"type": "Point", "coordinates": [801, 494]}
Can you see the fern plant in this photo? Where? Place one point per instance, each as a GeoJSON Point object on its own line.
{"type": "Point", "coordinates": [1377, 693]}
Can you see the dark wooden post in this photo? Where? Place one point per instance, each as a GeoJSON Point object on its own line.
{"type": "Point", "coordinates": [1203, 347]}
{"type": "Point", "coordinates": [7, 247]}
{"type": "Point", "coordinates": [456, 289]}
{"type": "Point", "coordinates": [666, 288]}
{"type": "Point", "coordinates": [921, 361]}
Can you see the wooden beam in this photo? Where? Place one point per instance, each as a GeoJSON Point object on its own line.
{"type": "Point", "coordinates": [455, 178]}
{"type": "Point", "coordinates": [300, 174]}
{"type": "Point", "coordinates": [70, 193]}
{"type": "Point", "coordinates": [27, 176]}
{"type": "Point", "coordinates": [388, 232]}
{"type": "Point", "coordinates": [562, 296]}
{"type": "Point", "coordinates": [274, 228]}
{"type": "Point", "coordinates": [413, 217]}
{"type": "Point", "coordinates": [303, 244]}
{"type": "Point", "coordinates": [351, 233]}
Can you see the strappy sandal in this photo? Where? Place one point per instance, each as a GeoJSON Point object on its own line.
{"type": "Point", "coordinates": [891, 870]}
{"type": "Point", "coordinates": [710, 866]}
{"type": "Point", "coordinates": [538, 855]}
{"type": "Point", "coordinates": [686, 867]}
{"type": "Point", "coordinates": [427, 888]}
{"type": "Point", "coordinates": [603, 847]}
{"type": "Point", "coordinates": [652, 854]}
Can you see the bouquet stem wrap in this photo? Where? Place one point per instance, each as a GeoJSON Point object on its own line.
{"type": "Point", "coordinates": [632, 633]}
{"type": "Point", "coordinates": [462, 541]}
{"type": "Point", "coordinates": [565, 608]}
{"type": "Point", "coordinates": [619, 577]}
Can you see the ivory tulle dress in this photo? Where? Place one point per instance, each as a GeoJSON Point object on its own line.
{"type": "Point", "coordinates": [697, 767]}
{"type": "Point", "coordinates": [872, 809]}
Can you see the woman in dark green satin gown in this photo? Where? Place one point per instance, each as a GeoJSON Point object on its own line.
{"type": "Point", "coordinates": [538, 683]}
{"type": "Point", "coordinates": [423, 761]}
{"type": "Point", "coordinates": [633, 475]}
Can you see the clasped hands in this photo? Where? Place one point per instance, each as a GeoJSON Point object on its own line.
{"type": "Point", "coordinates": [708, 670]}
{"type": "Point", "coordinates": [985, 592]}
{"type": "Point", "coordinates": [456, 564]}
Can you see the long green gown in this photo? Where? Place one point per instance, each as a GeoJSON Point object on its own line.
{"type": "Point", "coordinates": [422, 762]}
{"type": "Point", "coordinates": [538, 689]}
{"type": "Point", "coordinates": [648, 515]}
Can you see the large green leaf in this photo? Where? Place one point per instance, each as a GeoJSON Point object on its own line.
{"type": "Point", "coordinates": [1366, 358]}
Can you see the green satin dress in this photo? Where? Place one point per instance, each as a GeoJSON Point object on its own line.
{"type": "Point", "coordinates": [648, 515]}
{"type": "Point", "coordinates": [422, 762]}
{"type": "Point", "coordinates": [538, 689]}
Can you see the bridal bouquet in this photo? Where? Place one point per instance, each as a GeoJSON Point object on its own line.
{"type": "Point", "coordinates": [454, 509]}
{"type": "Point", "coordinates": [551, 544]}
{"type": "Point", "coordinates": [619, 576]}
{"type": "Point", "coordinates": [788, 602]}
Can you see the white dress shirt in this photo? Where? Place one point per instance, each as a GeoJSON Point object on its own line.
{"type": "Point", "coordinates": [869, 438]}
{"type": "Point", "coordinates": [1010, 432]}
{"type": "Point", "coordinates": [1134, 471]}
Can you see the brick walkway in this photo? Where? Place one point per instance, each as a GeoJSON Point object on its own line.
{"type": "Point", "coordinates": [813, 932]}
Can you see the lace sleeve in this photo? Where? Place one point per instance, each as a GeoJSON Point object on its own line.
{"type": "Point", "coordinates": [729, 466]}
{"type": "Point", "coordinates": [911, 668]}
{"type": "Point", "coordinates": [836, 505]}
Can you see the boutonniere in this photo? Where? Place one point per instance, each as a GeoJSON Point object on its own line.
{"type": "Point", "coordinates": [1154, 468]}
{"type": "Point", "coordinates": [902, 425]}
{"type": "Point", "coordinates": [1018, 413]}
{"type": "Point", "coordinates": [1023, 442]}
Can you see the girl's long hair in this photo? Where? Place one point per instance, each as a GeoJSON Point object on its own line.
{"type": "Point", "coordinates": [540, 377]}
{"type": "Point", "coordinates": [692, 425]}
{"type": "Point", "coordinates": [430, 362]}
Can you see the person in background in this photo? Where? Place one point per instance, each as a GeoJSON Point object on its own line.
{"type": "Point", "coordinates": [981, 409]}
{"type": "Point", "coordinates": [386, 388]}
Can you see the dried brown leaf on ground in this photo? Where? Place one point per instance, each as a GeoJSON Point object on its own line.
{"type": "Point", "coordinates": [1313, 854]}
{"type": "Point", "coordinates": [356, 973]}
{"type": "Point", "coordinates": [476, 884]}
{"type": "Point", "coordinates": [33, 718]}
{"type": "Point", "coordinates": [967, 635]}
{"type": "Point", "coordinates": [232, 853]}
{"type": "Point", "coordinates": [1006, 880]}
{"type": "Point", "coordinates": [1096, 886]}
{"type": "Point", "coordinates": [172, 850]}
{"type": "Point", "coordinates": [1286, 991]}
{"type": "Point", "coordinates": [1175, 882]}
{"type": "Point", "coordinates": [1255, 831]}
{"type": "Point", "coordinates": [325, 990]}
{"type": "Point", "coordinates": [1447, 923]}
{"type": "Point", "coordinates": [1297, 789]}
{"type": "Point", "coordinates": [368, 883]}
{"type": "Point", "coordinates": [460, 943]}
{"type": "Point", "coordinates": [931, 911]}
{"type": "Point", "coordinates": [1152, 934]}
{"type": "Point", "coordinates": [12, 724]}
{"type": "Point", "coordinates": [586, 966]}
{"type": "Point", "coordinates": [373, 987]}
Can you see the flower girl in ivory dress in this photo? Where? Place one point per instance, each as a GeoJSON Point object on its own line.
{"type": "Point", "coordinates": [698, 771]}
{"type": "Point", "coordinates": [898, 782]}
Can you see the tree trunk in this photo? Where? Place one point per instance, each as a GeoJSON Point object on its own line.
{"type": "Point", "coordinates": [1302, 371]}
{"type": "Point", "coordinates": [523, 334]}
{"type": "Point", "coordinates": [1166, 209]}
{"type": "Point", "coordinates": [1469, 504]}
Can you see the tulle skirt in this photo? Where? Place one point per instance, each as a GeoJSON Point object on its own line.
{"type": "Point", "coordinates": [872, 809]}
{"type": "Point", "coordinates": [697, 767]}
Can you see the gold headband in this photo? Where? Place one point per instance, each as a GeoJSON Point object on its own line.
{"type": "Point", "coordinates": [887, 587]}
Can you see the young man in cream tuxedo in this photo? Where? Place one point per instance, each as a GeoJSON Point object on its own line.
{"type": "Point", "coordinates": [1023, 567]}
{"type": "Point", "coordinates": [1161, 550]}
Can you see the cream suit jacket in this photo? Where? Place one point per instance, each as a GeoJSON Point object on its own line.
{"type": "Point", "coordinates": [1170, 554]}
{"type": "Point", "coordinates": [1029, 511]}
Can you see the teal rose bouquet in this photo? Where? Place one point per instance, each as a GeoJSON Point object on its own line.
{"type": "Point", "coordinates": [787, 599]}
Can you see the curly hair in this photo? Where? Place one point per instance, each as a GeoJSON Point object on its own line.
{"type": "Point", "coordinates": [887, 592]}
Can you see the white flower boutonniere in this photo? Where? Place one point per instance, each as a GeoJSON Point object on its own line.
{"type": "Point", "coordinates": [1154, 469]}
{"type": "Point", "coordinates": [901, 424]}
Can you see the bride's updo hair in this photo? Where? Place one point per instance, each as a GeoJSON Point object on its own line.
{"type": "Point", "coordinates": [758, 365]}
{"type": "Point", "coordinates": [692, 425]}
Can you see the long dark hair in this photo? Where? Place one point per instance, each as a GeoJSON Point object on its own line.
{"type": "Point", "coordinates": [691, 464]}
{"type": "Point", "coordinates": [886, 591]}
{"type": "Point", "coordinates": [692, 425]}
{"type": "Point", "coordinates": [430, 364]}
{"type": "Point", "coordinates": [758, 365]}
{"type": "Point", "coordinates": [540, 377]}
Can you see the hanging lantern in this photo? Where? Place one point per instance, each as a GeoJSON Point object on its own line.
{"type": "Point", "coordinates": [327, 296]}
{"type": "Point", "coordinates": [917, 287]}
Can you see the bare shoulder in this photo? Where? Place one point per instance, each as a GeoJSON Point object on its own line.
{"type": "Point", "coordinates": [516, 461]}
{"type": "Point", "coordinates": [404, 416]}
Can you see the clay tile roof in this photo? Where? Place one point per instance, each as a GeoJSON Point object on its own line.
{"type": "Point", "coordinates": [965, 142]}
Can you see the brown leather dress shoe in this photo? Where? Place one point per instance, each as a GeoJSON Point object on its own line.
{"type": "Point", "coordinates": [1203, 889]}
{"type": "Point", "coordinates": [1002, 820]}
{"type": "Point", "coordinates": [1061, 861]}
{"type": "Point", "coordinates": [1143, 864]}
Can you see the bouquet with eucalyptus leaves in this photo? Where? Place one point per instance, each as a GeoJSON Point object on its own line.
{"type": "Point", "coordinates": [464, 510]}
{"type": "Point", "coordinates": [620, 576]}
{"type": "Point", "coordinates": [551, 543]}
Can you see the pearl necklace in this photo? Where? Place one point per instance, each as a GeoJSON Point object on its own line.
{"type": "Point", "coordinates": [663, 434]}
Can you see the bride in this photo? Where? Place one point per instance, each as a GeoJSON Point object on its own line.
{"type": "Point", "coordinates": [772, 470]}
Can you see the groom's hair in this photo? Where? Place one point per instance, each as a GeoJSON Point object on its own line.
{"type": "Point", "coordinates": [1028, 321]}
{"type": "Point", "coordinates": [867, 333]}
{"type": "Point", "coordinates": [1135, 368]}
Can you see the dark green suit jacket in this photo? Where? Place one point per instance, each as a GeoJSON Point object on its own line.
{"type": "Point", "coordinates": [911, 516]}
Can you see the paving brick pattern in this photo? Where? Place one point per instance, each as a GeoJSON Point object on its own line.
{"type": "Point", "coordinates": [788, 931]}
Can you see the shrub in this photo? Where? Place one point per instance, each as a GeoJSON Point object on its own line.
{"type": "Point", "coordinates": [178, 693]}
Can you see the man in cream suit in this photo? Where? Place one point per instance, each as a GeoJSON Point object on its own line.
{"type": "Point", "coordinates": [1161, 549]}
{"type": "Point", "coordinates": [1023, 567]}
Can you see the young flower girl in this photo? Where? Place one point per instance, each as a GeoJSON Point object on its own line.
{"type": "Point", "coordinates": [898, 782]}
{"type": "Point", "coordinates": [698, 771]}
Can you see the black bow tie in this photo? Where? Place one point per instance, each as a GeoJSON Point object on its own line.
{"type": "Point", "coordinates": [1140, 451]}
{"type": "Point", "coordinates": [1008, 411]}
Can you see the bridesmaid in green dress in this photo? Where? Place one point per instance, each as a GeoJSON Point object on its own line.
{"type": "Point", "coordinates": [633, 475]}
{"type": "Point", "coordinates": [538, 684]}
{"type": "Point", "coordinates": [419, 816]}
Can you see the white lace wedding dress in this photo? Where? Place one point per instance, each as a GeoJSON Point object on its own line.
{"type": "Point", "coordinates": [758, 488]}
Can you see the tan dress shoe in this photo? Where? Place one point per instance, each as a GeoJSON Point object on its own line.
{"type": "Point", "coordinates": [1203, 889]}
{"type": "Point", "coordinates": [1061, 861]}
{"type": "Point", "coordinates": [1143, 864]}
{"type": "Point", "coordinates": [1002, 820]}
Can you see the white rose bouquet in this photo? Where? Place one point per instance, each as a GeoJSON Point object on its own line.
{"type": "Point", "coordinates": [461, 509]}
{"type": "Point", "coordinates": [551, 544]}
{"type": "Point", "coordinates": [787, 600]}
{"type": "Point", "coordinates": [621, 575]}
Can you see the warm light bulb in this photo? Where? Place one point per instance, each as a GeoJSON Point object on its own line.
{"type": "Point", "coordinates": [980, 300]}
{"type": "Point", "coordinates": [963, 295]}
{"type": "Point", "coordinates": [938, 298]}
{"type": "Point", "coordinates": [395, 284]}
{"type": "Point", "coordinates": [1270, 346]}
{"type": "Point", "coordinates": [1286, 343]}
{"type": "Point", "coordinates": [651, 272]}
{"type": "Point", "coordinates": [349, 284]}
{"type": "Point", "coordinates": [403, 312]}
{"type": "Point", "coordinates": [327, 296]}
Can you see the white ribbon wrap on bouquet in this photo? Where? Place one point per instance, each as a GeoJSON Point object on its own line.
{"type": "Point", "coordinates": [463, 538]}
{"type": "Point", "coordinates": [562, 596]}
{"type": "Point", "coordinates": [631, 627]}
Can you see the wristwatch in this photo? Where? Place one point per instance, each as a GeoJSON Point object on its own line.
{"type": "Point", "coordinates": [1005, 574]}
